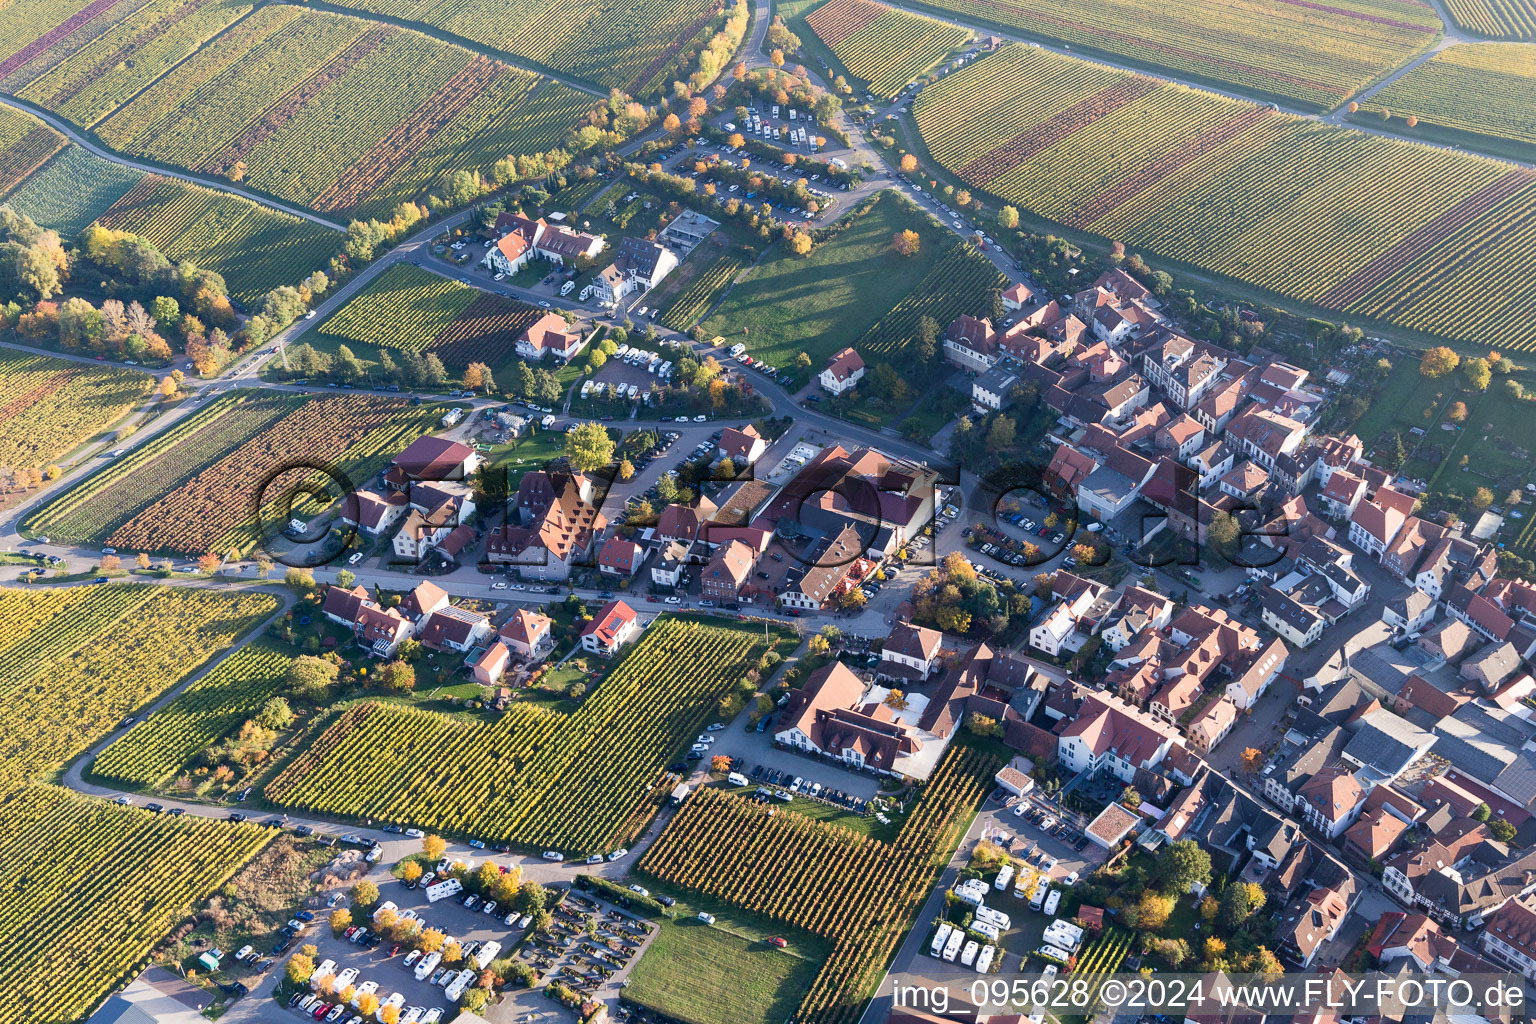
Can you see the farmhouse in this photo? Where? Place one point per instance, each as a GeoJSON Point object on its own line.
{"type": "Point", "coordinates": [639, 266]}
{"type": "Point", "coordinates": [549, 335]}
{"type": "Point", "coordinates": [843, 372]}
{"type": "Point", "coordinates": [431, 458]}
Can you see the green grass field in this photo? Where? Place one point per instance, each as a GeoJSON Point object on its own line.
{"type": "Point", "coordinates": [704, 975]}
{"type": "Point", "coordinates": [821, 302]}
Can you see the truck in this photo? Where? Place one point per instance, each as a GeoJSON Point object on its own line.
{"type": "Point", "coordinates": [1004, 876]}
{"type": "Point", "coordinates": [952, 947]}
{"type": "Point", "coordinates": [968, 955]}
{"type": "Point", "coordinates": [984, 961]}
{"type": "Point", "coordinates": [941, 939]}
{"type": "Point", "coordinates": [990, 916]}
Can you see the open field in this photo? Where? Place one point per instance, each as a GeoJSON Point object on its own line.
{"type": "Point", "coordinates": [72, 190]}
{"type": "Point", "coordinates": [98, 885]}
{"type": "Point", "coordinates": [702, 974]}
{"type": "Point", "coordinates": [815, 304]}
{"type": "Point", "coordinates": [255, 247]}
{"type": "Point", "coordinates": [1314, 56]}
{"type": "Point", "coordinates": [53, 405]}
{"type": "Point", "coordinates": [881, 46]}
{"type": "Point", "coordinates": [195, 487]}
{"type": "Point", "coordinates": [615, 46]}
{"type": "Point", "coordinates": [166, 744]}
{"type": "Point", "coordinates": [336, 124]}
{"type": "Point", "coordinates": [1261, 197]}
{"type": "Point", "coordinates": [532, 777]}
{"type": "Point", "coordinates": [119, 646]}
{"type": "Point", "coordinates": [858, 892]}
{"type": "Point", "coordinates": [1479, 89]}
{"type": "Point", "coordinates": [1499, 19]}
{"type": "Point", "coordinates": [410, 309]}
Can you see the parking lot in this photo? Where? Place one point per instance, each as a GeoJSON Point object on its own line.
{"type": "Point", "coordinates": [590, 946]}
{"type": "Point", "coordinates": [383, 969]}
{"type": "Point", "coordinates": [757, 748]}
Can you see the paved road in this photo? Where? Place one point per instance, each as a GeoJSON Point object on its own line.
{"type": "Point", "coordinates": [222, 184]}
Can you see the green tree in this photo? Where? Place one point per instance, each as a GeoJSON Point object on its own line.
{"type": "Point", "coordinates": [1478, 372]}
{"type": "Point", "coordinates": [1502, 830]}
{"type": "Point", "coordinates": [1239, 901]}
{"type": "Point", "coordinates": [311, 677]}
{"type": "Point", "coordinates": [397, 677]}
{"type": "Point", "coordinates": [589, 447]}
{"type": "Point", "coordinates": [1008, 218]}
{"type": "Point", "coordinates": [1000, 435]}
{"type": "Point", "coordinates": [1482, 812]}
{"type": "Point", "coordinates": [531, 899]}
{"type": "Point", "coordinates": [1180, 866]}
{"type": "Point", "coordinates": [299, 579]}
{"type": "Point", "coordinates": [345, 578]}
{"type": "Point", "coordinates": [927, 339]}
{"type": "Point", "coordinates": [275, 714]}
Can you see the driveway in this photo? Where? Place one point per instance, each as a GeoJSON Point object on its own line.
{"type": "Point", "coordinates": [757, 748]}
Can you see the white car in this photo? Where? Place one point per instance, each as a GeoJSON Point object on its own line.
{"type": "Point", "coordinates": [674, 600]}
{"type": "Point", "coordinates": [706, 918]}
{"type": "Point", "coordinates": [243, 952]}
{"type": "Point", "coordinates": [642, 890]}
{"type": "Point", "coordinates": [596, 858]}
{"type": "Point", "coordinates": [499, 585]}
{"type": "Point", "coordinates": [620, 852]}
{"type": "Point", "coordinates": [554, 855]}
{"type": "Point", "coordinates": [500, 277]}
{"type": "Point", "coordinates": [415, 833]}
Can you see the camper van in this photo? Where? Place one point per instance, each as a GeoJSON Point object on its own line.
{"type": "Point", "coordinates": [968, 955]}
{"type": "Point", "coordinates": [1052, 902]}
{"type": "Point", "coordinates": [984, 961]}
{"type": "Point", "coordinates": [941, 939]}
{"type": "Point", "coordinates": [1004, 877]}
{"type": "Point", "coordinates": [1037, 898]}
{"type": "Point", "coordinates": [990, 916]}
{"type": "Point", "coordinates": [952, 947]}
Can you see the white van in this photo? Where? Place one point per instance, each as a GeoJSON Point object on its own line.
{"type": "Point", "coordinates": [737, 779]}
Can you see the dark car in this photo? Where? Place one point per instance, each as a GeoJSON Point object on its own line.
{"type": "Point", "coordinates": [303, 830]}
{"type": "Point", "coordinates": [666, 901]}
{"type": "Point", "coordinates": [153, 808]}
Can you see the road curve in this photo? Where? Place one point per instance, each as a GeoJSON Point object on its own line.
{"type": "Point", "coordinates": [71, 133]}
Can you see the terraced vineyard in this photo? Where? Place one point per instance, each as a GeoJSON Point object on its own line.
{"type": "Point", "coordinates": [574, 782]}
{"type": "Point", "coordinates": [119, 646]}
{"type": "Point", "coordinates": [694, 300]}
{"type": "Point", "coordinates": [99, 885]}
{"type": "Point", "coordinates": [616, 46]}
{"type": "Point", "coordinates": [72, 190]}
{"type": "Point", "coordinates": [961, 282]}
{"type": "Point", "coordinates": [1312, 55]}
{"type": "Point", "coordinates": [1497, 19]}
{"type": "Point", "coordinates": [167, 743]}
{"type": "Point", "coordinates": [255, 247]}
{"type": "Point", "coordinates": [859, 892]}
{"type": "Point", "coordinates": [1481, 88]}
{"type": "Point", "coordinates": [193, 488]}
{"type": "Point", "coordinates": [50, 406]}
{"type": "Point", "coordinates": [1239, 190]}
{"type": "Point", "coordinates": [352, 115]}
{"type": "Point", "coordinates": [885, 47]}
{"type": "Point", "coordinates": [411, 309]}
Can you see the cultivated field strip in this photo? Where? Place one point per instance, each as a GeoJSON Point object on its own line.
{"type": "Point", "coordinates": [193, 488]}
{"type": "Point", "coordinates": [351, 116]}
{"type": "Point", "coordinates": [1497, 19]}
{"type": "Point", "coordinates": [120, 646]}
{"type": "Point", "coordinates": [885, 47]}
{"type": "Point", "coordinates": [1273, 200]}
{"type": "Point", "coordinates": [50, 406]}
{"type": "Point", "coordinates": [609, 44]}
{"type": "Point", "coordinates": [1483, 88]}
{"type": "Point", "coordinates": [25, 144]}
{"type": "Point", "coordinates": [961, 282]}
{"type": "Point", "coordinates": [857, 891]}
{"type": "Point", "coordinates": [586, 782]}
{"type": "Point", "coordinates": [98, 885]}
{"type": "Point", "coordinates": [157, 749]}
{"type": "Point", "coordinates": [1311, 55]}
